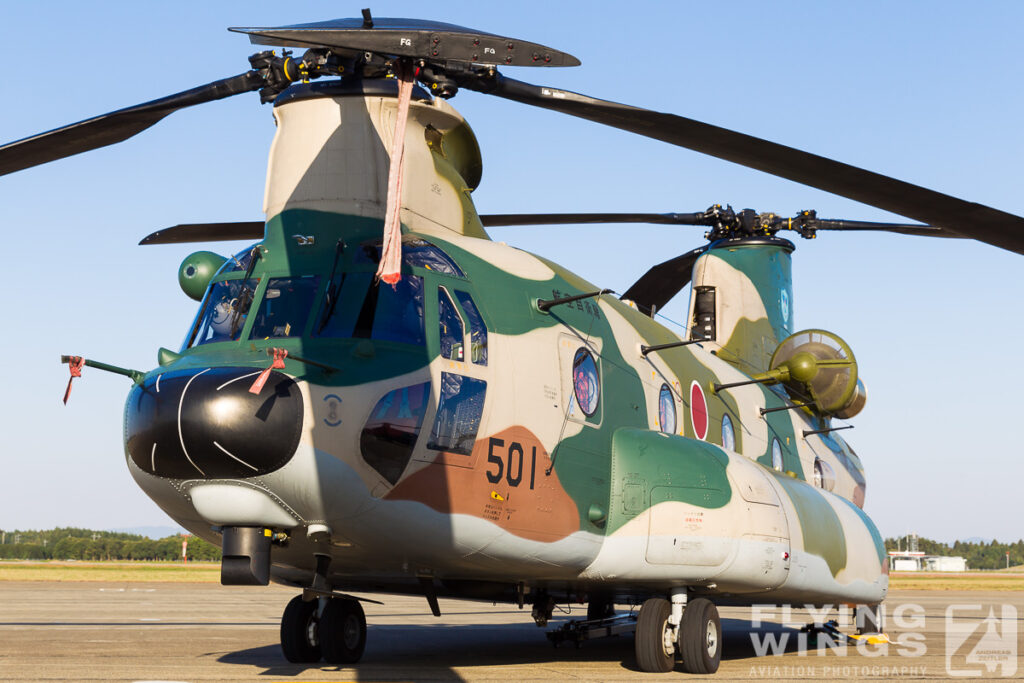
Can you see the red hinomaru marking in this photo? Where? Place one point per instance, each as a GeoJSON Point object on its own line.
{"type": "Point", "coordinates": [698, 411]}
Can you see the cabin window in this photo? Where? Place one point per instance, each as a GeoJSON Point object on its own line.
{"type": "Point", "coordinates": [477, 329]}
{"type": "Point", "coordinates": [450, 329]}
{"type": "Point", "coordinates": [416, 252]}
{"type": "Point", "coordinates": [728, 435]}
{"type": "Point", "coordinates": [389, 436]}
{"type": "Point", "coordinates": [224, 311]}
{"type": "Point", "coordinates": [458, 414]}
{"type": "Point", "coordinates": [666, 410]}
{"type": "Point", "coordinates": [585, 382]}
{"type": "Point", "coordinates": [777, 455]}
{"type": "Point", "coordinates": [285, 308]}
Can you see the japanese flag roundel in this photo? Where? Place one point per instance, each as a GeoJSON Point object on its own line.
{"type": "Point", "coordinates": [698, 411]}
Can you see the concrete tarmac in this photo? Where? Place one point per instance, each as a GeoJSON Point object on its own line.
{"type": "Point", "coordinates": [200, 632]}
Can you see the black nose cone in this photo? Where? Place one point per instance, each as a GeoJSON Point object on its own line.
{"type": "Point", "coordinates": [193, 424]}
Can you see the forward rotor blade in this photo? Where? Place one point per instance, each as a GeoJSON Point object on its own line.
{"type": "Point", "coordinates": [206, 232]}
{"type": "Point", "coordinates": [115, 126]}
{"type": "Point", "coordinates": [658, 285]}
{"type": "Point", "coordinates": [496, 220]}
{"type": "Point", "coordinates": [966, 218]}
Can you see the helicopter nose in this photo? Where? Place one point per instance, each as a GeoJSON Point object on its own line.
{"type": "Point", "coordinates": [204, 423]}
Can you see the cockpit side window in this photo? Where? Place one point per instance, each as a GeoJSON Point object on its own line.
{"type": "Point", "coordinates": [450, 328]}
{"type": "Point", "coordinates": [225, 309]}
{"type": "Point", "coordinates": [477, 329]}
{"type": "Point", "coordinates": [285, 308]}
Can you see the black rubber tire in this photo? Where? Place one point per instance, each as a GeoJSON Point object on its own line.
{"type": "Point", "coordinates": [299, 631]}
{"type": "Point", "coordinates": [700, 637]}
{"type": "Point", "coordinates": [342, 631]}
{"type": "Point", "coordinates": [600, 607]}
{"type": "Point", "coordinates": [650, 637]}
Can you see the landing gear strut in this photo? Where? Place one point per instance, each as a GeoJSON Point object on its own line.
{"type": "Point", "coordinates": [693, 630]}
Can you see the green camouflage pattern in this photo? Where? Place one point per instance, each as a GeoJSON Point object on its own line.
{"type": "Point", "coordinates": [547, 494]}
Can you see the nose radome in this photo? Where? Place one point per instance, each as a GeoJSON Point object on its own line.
{"type": "Point", "coordinates": [204, 423]}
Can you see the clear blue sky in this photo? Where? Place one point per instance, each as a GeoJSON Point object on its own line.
{"type": "Point", "coordinates": [926, 92]}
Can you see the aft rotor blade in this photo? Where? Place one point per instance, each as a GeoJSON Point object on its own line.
{"type": "Point", "coordinates": [658, 285]}
{"type": "Point", "coordinates": [495, 220]}
{"type": "Point", "coordinates": [115, 126]}
{"type": "Point", "coordinates": [206, 232]}
{"type": "Point", "coordinates": [902, 228]}
{"type": "Point", "coordinates": [965, 218]}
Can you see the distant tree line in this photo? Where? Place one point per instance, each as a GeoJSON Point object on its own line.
{"type": "Point", "coordinates": [86, 544]}
{"type": "Point", "coordinates": [978, 555]}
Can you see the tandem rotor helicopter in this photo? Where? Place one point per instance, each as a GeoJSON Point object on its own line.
{"type": "Point", "coordinates": [376, 397]}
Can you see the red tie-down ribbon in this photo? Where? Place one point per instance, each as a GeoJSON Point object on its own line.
{"type": "Point", "coordinates": [390, 267]}
{"type": "Point", "coordinates": [75, 364]}
{"type": "Point", "coordinates": [278, 364]}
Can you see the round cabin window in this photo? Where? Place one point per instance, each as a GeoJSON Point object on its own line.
{"type": "Point", "coordinates": [585, 382]}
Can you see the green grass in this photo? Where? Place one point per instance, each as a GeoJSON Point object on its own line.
{"type": "Point", "coordinates": [141, 572]}
{"type": "Point", "coordinates": [209, 572]}
{"type": "Point", "coordinates": [951, 581]}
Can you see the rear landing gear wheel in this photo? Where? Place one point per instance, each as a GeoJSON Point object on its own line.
{"type": "Point", "coordinates": [655, 641]}
{"type": "Point", "coordinates": [342, 631]}
{"type": "Point", "coordinates": [299, 631]}
{"type": "Point", "coordinates": [700, 637]}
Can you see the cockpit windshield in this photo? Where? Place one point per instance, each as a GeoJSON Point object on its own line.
{"type": "Point", "coordinates": [371, 310]}
{"type": "Point", "coordinates": [287, 302]}
{"type": "Point", "coordinates": [352, 305]}
{"type": "Point", "coordinates": [224, 313]}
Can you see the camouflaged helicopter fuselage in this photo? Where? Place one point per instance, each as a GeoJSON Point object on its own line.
{"type": "Point", "coordinates": [615, 497]}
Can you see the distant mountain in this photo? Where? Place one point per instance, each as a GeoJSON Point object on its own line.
{"type": "Point", "coordinates": [153, 532]}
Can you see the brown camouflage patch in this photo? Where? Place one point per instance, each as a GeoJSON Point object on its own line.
{"type": "Point", "coordinates": [507, 485]}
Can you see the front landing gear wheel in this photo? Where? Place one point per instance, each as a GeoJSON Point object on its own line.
{"type": "Point", "coordinates": [342, 631]}
{"type": "Point", "coordinates": [655, 641]}
{"type": "Point", "coordinates": [299, 631]}
{"type": "Point", "coordinates": [700, 637]}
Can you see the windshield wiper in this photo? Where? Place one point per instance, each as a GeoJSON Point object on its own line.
{"type": "Point", "coordinates": [333, 291]}
{"type": "Point", "coordinates": [244, 299]}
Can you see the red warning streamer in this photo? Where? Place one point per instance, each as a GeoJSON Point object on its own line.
{"type": "Point", "coordinates": [390, 268]}
{"type": "Point", "coordinates": [75, 364]}
{"type": "Point", "coordinates": [277, 364]}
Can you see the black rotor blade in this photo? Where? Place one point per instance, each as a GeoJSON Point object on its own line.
{"type": "Point", "coordinates": [206, 232]}
{"type": "Point", "coordinates": [495, 220]}
{"type": "Point", "coordinates": [115, 126]}
{"type": "Point", "coordinates": [969, 219]}
{"type": "Point", "coordinates": [658, 285]}
{"type": "Point", "coordinates": [901, 228]}
{"type": "Point", "coordinates": [416, 38]}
